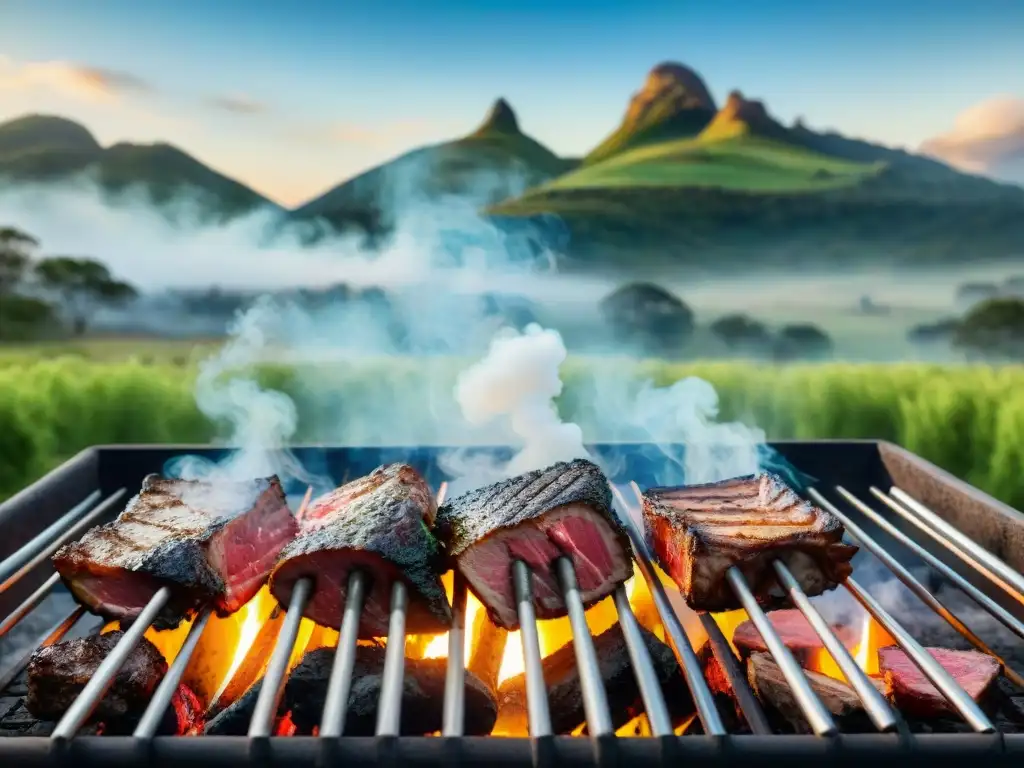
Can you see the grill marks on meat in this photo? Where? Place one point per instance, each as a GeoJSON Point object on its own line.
{"type": "Point", "coordinates": [422, 697]}
{"type": "Point", "coordinates": [914, 694]}
{"type": "Point", "coordinates": [538, 517]}
{"type": "Point", "coordinates": [58, 673]}
{"type": "Point", "coordinates": [699, 532]}
{"type": "Point", "coordinates": [211, 544]}
{"type": "Point", "coordinates": [565, 694]}
{"type": "Point", "coordinates": [380, 525]}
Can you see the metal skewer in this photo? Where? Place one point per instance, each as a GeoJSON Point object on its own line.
{"type": "Point", "coordinates": [262, 723]}
{"type": "Point", "coordinates": [389, 713]}
{"type": "Point", "coordinates": [595, 698]}
{"type": "Point", "coordinates": [924, 661]}
{"type": "Point", "coordinates": [971, 552]}
{"type": "Point", "coordinates": [332, 722]}
{"type": "Point", "coordinates": [25, 565]}
{"type": "Point", "coordinates": [538, 712]}
{"type": "Point", "coordinates": [150, 722]}
{"type": "Point", "coordinates": [875, 704]}
{"type": "Point", "coordinates": [643, 667]}
{"type": "Point", "coordinates": [749, 704]}
{"type": "Point", "coordinates": [455, 675]}
{"type": "Point", "coordinates": [100, 682]}
{"type": "Point", "coordinates": [914, 585]}
{"type": "Point", "coordinates": [818, 717]}
{"type": "Point", "coordinates": [29, 604]}
{"type": "Point", "coordinates": [15, 562]}
{"type": "Point", "coordinates": [1007, 619]}
{"type": "Point", "coordinates": [702, 698]}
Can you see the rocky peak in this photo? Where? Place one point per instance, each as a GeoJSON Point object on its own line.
{"type": "Point", "coordinates": [500, 118]}
{"type": "Point", "coordinates": [669, 88]}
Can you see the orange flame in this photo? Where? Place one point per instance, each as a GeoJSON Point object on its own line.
{"type": "Point", "coordinates": [865, 652]}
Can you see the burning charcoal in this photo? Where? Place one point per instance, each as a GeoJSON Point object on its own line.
{"type": "Point", "coordinates": [562, 511]}
{"type": "Point", "coordinates": [839, 698]}
{"type": "Point", "coordinates": [58, 673]}
{"type": "Point", "coordinates": [379, 524]}
{"type": "Point", "coordinates": [489, 642]}
{"type": "Point", "coordinates": [422, 700]}
{"type": "Point", "coordinates": [209, 544]}
{"type": "Point", "coordinates": [701, 531]}
{"type": "Point", "coordinates": [722, 692]}
{"type": "Point", "coordinates": [795, 632]}
{"type": "Point", "coordinates": [914, 693]}
{"type": "Point", "coordinates": [565, 694]}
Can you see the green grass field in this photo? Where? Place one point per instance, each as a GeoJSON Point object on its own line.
{"type": "Point", "coordinates": [969, 420]}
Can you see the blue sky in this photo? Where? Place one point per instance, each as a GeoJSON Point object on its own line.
{"type": "Point", "coordinates": [293, 97]}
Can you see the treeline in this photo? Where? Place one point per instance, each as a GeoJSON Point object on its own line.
{"type": "Point", "coordinates": [45, 296]}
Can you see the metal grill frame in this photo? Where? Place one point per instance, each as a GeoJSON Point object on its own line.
{"type": "Point", "coordinates": [861, 465]}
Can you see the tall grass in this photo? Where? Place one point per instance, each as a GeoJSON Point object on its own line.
{"type": "Point", "coordinates": [969, 420]}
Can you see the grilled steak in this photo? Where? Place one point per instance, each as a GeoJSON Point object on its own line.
{"type": "Point", "coordinates": [562, 511]}
{"type": "Point", "coordinates": [914, 693]}
{"type": "Point", "coordinates": [795, 632]}
{"type": "Point", "coordinates": [379, 524]}
{"type": "Point", "coordinates": [422, 697]}
{"type": "Point", "coordinates": [211, 544]}
{"type": "Point", "coordinates": [565, 694]}
{"type": "Point", "coordinates": [699, 532]}
{"type": "Point", "coordinates": [58, 673]}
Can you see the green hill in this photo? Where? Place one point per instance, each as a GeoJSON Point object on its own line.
{"type": "Point", "coordinates": [746, 189]}
{"type": "Point", "coordinates": [42, 149]}
{"type": "Point", "coordinates": [493, 162]}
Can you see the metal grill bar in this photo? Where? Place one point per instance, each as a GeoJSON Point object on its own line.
{"type": "Point", "coordinates": [647, 679]}
{"type": "Point", "coordinates": [30, 562]}
{"type": "Point", "coordinates": [54, 635]}
{"type": "Point", "coordinates": [818, 717]}
{"type": "Point", "coordinates": [749, 704]}
{"type": "Point", "coordinates": [332, 722]}
{"type": "Point", "coordinates": [702, 697]}
{"type": "Point", "coordinates": [389, 711]}
{"type": "Point", "coordinates": [875, 704]}
{"type": "Point", "coordinates": [98, 685]}
{"type": "Point", "coordinates": [29, 604]}
{"type": "Point", "coordinates": [455, 674]}
{"type": "Point", "coordinates": [538, 712]}
{"type": "Point", "coordinates": [971, 552]}
{"type": "Point", "coordinates": [595, 699]}
{"type": "Point", "coordinates": [924, 661]}
{"type": "Point", "coordinates": [915, 586]}
{"type": "Point", "coordinates": [15, 562]}
{"type": "Point", "coordinates": [262, 723]}
{"type": "Point", "coordinates": [1007, 619]}
{"type": "Point", "coordinates": [147, 727]}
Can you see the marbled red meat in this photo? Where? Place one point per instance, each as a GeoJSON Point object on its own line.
{"type": "Point", "coordinates": [914, 693]}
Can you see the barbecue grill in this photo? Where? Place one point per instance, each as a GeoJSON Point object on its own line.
{"type": "Point", "coordinates": [902, 509]}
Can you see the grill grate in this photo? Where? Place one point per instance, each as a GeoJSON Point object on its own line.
{"type": "Point", "coordinates": [992, 571]}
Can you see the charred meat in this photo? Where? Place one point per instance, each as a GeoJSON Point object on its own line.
{"type": "Point", "coordinates": [539, 517]}
{"type": "Point", "coordinates": [209, 543]}
{"type": "Point", "coordinates": [699, 532]}
{"type": "Point", "coordinates": [565, 694]}
{"type": "Point", "coordinates": [380, 525]}
{"type": "Point", "coordinates": [422, 697]}
{"type": "Point", "coordinates": [914, 693]}
{"type": "Point", "coordinates": [57, 674]}
{"type": "Point", "coordinates": [793, 629]}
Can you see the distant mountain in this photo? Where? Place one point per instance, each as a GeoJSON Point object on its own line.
{"type": "Point", "coordinates": [43, 149]}
{"type": "Point", "coordinates": [743, 188]}
{"type": "Point", "coordinates": [495, 161]}
{"type": "Point", "coordinates": [674, 103]}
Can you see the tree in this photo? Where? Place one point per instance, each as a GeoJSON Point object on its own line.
{"type": "Point", "coordinates": [649, 317]}
{"type": "Point", "coordinates": [802, 341]}
{"type": "Point", "coordinates": [993, 328]}
{"type": "Point", "coordinates": [82, 286]}
{"type": "Point", "coordinates": [741, 332]}
{"type": "Point", "coordinates": [15, 257]}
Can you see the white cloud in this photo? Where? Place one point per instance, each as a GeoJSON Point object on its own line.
{"type": "Point", "coordinates": [987, 138]}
